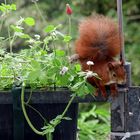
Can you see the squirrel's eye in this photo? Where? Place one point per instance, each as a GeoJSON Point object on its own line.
{"type": "Point", "coordinates": [114, 74]}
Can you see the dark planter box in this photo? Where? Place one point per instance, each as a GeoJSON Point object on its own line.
{"type": "Point", "coordinates": [13, 126]}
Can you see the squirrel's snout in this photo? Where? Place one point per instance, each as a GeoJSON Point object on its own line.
{"type": "Point", "coordinates": [121, 82]}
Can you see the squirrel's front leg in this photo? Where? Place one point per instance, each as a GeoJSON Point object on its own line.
{"type": "Point", "coordinates": [101, 88]}
{"type": "Point", "coordinates": [99, 85]}
{"type": "Point", "coordinates": [114, 90]}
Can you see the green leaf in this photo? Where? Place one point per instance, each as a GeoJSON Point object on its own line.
{"type": "Point", "coordinates": [51, 71]}
{"type": "Point", "coordinates": [71, 78]}
{"type": "Point", "coordinates": [6, 7]}
{"type": "Point", "coordinates": [13, 7]}
{"type": "Point", "coordinates": [29, 21]}
{"type": "Point", "coordinates": [77, 85]}
{"type": "Point", "coordinates": [25, 36]}
{"type": "Point", "coordinates": [56, 62]}
{"type": "Point", "coordinates": [35, 64]}
{"type": "Point", "coordinates": [49, 28]}
{"type": "Point", "coordinates": [67, 118]}
{"type": "Point", "coordinates": [2, 38]}
{"type": "Point", "coordinates": [47, 39]}
{"type": "Point", "coordinates": [16, 28]}
{"type": "Point", "coordinates": [90, 88]}
{"type": "Point", "coordinates": [67, 38]}
{"type": "Point", "coordinates": [33, 75]}
{"type": "Point", "coordinates": [64, 79]}
{"type": "Point", "coordinates": [2, 8]}
{"type": "Point", "coordinates": [60, 53]}
{"type": "Point", "coordinates": [102, 112]}
{"type": "Point", "coordinates": [78, 67]}
{"type": "Point", "coordinates": [47, 129]}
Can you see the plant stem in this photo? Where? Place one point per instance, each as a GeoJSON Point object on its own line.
{"type": "Point", "coordinates": [43, 19]}
{"type": "Point", "coordinates": [5, 1]}
{"type": "Point", "coordinates": [43, 118]}
{"type": "Point", "coordinates": [44, 46]}
{"type": "Point", "coordinates": [25, 113]}
{"type": "Point", "coordinates": [27, 104]}
{"type": "Point", "coordinates": [49, 136]}
{"type": "Point", "coordinates": [69, 33]}
{"type": "Point", "coordinates": [2, 21]}
{"type": "Point", "coordinates": [9, 38]}
{"type": "Point", "coordinates": [67, 107]}
{"type": "Point", "coordinates": [14, 74]}
{"type": "Point", "coordinates": [69, 25]}
{"type": "Point", "coordinates": [54, 47]}
{"type": "Point", "coordinates": [7, 77]}
{"type": "Point", "coordinates": [11, 44]}
{"type": "Point", "coordinates": [30, 95]}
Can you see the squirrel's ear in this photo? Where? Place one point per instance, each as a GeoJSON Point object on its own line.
{"type": "Point", "coordinates": [111, 65]}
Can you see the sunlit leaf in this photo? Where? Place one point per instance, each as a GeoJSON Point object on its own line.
{"type": "Point", "coordinates": [67, 38]}
{"type": "Point", "coordinates": [49, 28]}
{"type": "Point", "coordinates": [60, 53]}
{"type": "Point", "coordinates": [29, 21]}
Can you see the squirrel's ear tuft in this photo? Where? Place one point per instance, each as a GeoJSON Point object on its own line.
{"type": "Point", "coordinates": [111, 65]}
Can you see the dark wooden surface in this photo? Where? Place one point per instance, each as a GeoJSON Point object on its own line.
{"type": "Point", "coordinates": [125, 113]}
{"type": "Point", "coordinates": [133, 112]}
{"type": "Point", "coordinates": [44, 96]}
{"type": "Point", "coordinates": [66, 130]}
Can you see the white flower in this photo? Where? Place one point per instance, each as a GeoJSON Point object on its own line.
{"type": "Point", "coordinates": [63, 70]}
{"type": "Point", "coordinates": [89, 74]}
{"type": "Point", "coordinates": [37, 37]}
{"type": "Point", "coordinates": [31, 41]}
{"type": "Point", "coordinates": [19, 22]}
{"type": "Point", "coordinates": [54, 34]}
{"type": "Point", "coordinates": [90, 63]}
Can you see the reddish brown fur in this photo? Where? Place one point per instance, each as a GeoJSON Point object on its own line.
{"type": "Point", "coordinates": [99, 42]}
{"type": "Point", "coordinates": [96, 32]}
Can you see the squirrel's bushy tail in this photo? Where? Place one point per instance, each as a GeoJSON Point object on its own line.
{"type": "Point", "coordinates": [98, 38]}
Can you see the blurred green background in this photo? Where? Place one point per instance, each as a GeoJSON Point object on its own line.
{"type": "Point", "coordinates": [54, 13]}
{"type": "Point", "coordinates": [93, 118]}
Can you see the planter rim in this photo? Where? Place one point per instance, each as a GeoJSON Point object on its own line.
{"type": "Point", "coordinates": [63, 96]}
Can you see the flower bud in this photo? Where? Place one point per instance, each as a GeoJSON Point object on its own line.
{"type": "Point", "coordinates": [68, 9]}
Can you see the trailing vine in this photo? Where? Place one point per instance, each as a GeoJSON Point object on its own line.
{"type": "Point", "coordinates": [57, 120]}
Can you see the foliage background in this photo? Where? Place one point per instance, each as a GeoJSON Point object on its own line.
{"type": "Point", "coordinates": [54, 13]}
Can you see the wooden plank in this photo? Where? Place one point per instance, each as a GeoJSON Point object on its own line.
{"type": "Point", "coordinates": [133, 112]}
{"type": "Point", "coordinates": [125, 113]}
{"type": "Point", "coordinates": [117, 115]}
{"type": "Point", "coordinates": [66, 130]}
{"type": "Point", "coordinates": [44, 96]}
{"type": "Point", "coordinates": [18, 117]}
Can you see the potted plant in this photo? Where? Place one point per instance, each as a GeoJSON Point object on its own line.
{"type": "Point", "coordinates": [42, 72]}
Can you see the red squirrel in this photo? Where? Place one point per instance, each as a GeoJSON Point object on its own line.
{"type": "Point", "coordinates": [99, 42]}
